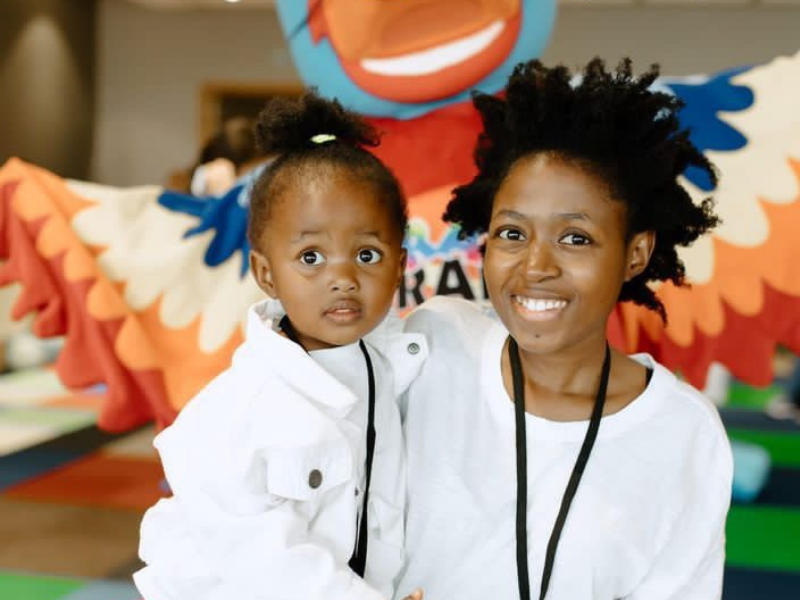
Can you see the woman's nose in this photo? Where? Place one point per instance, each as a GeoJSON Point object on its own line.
{"type": "Point", "coordinates": [541, 263]}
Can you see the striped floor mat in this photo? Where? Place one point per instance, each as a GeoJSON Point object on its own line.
{"type": "Point", "coordinates": [763, 550]}
{"type": "Point", "coordinates": [71, 498]}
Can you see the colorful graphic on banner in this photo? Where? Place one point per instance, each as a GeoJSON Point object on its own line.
{"type": "Point", "coordinates": [150, 287]}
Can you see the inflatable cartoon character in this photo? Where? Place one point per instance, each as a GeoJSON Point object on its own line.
{"type": "Point", "coordinates": [410, 65]}
{"type": "Point", "coordinates": [150, 287]}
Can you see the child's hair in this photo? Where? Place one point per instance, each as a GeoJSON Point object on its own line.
{"type": "Point", "coordinates": [311, 136]}
{"type": "Point", "coordinates": [614, 127]}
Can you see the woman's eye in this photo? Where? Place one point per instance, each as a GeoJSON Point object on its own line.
{"type": "Point", "coordinates": [513, 235]}
{"type": "Point", "coordinates": [369, 256]}
{"type": "Point", "coordinates": [576, 239]}
{"type": "Point", "coordinates": [312, 258]}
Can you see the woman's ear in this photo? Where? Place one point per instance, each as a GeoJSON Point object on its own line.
{"type": "Point", "coordinates": [640, 249]}
{"type": "Point", "coordinates": [259, 266]}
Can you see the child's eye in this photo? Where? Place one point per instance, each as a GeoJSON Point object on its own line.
{"type": "Point", "coordinates": [510, 234]}
{"type": "Point", "coordinates": [369, 256]}
{"type": "Point", "coordinates": [312, 258]}
{"type": "Point", "coordinates": [576, 239]}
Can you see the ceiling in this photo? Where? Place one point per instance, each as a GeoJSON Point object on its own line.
{"type": "Point", "coordinates": [269, 4]}
{"type": "Point", "coordinates": [193, 4]}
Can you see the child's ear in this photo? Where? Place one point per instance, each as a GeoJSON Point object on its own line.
{"type": "Point", "coordinates": [640, 249]}
{"type": "Point", "coordinates": [259, 266]}
{"type": "Point", "coordinates": [402, 267]}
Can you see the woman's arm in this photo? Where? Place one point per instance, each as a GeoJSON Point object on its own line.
{"type": "Point", "coordinates": [691, 563]}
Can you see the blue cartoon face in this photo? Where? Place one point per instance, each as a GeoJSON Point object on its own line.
{"type": "Point", "coordinates": [404, 58]}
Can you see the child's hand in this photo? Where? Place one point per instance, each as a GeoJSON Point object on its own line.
{"type": "Point", "coordinates": [415, 595]}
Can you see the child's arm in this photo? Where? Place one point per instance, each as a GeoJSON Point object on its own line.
{"type": "Point", "coordinates": [239, 525]}
{"type": "Point", "coordinates": [196, 549]}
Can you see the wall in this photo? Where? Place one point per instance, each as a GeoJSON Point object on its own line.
{"type": "Point", "coordinates": [151, 67]}
{"type": "Point", "coordinates": [152, 64]}
{"type": "Point", "coordinates": [683, 40]}
{"type": "Point", "coordinates": [47, 83]}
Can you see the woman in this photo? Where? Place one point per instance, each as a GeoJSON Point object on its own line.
{"type": "Point", "coordinates": [542, 463]}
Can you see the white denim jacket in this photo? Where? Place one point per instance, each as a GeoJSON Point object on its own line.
{"type": "Point", "coordinates": [267, 469]}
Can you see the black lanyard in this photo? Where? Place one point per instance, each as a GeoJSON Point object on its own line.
{"type": "Point", "coordinates": [522, 472]}
{"type": "Point", "coordinates": [358, 561]}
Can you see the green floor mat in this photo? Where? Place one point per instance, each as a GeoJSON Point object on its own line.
{"type": "Point", "coordinates": [783, 448]}
{"type": "Point", "coordinates": [744, 396]}
{"type": "Point", "coordinates": [763, 537]}
{"type": "Point", "coordinates": [29, 587]}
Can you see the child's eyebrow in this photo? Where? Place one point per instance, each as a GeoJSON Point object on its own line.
{"type": "Point", "coordinates": [305, 234]}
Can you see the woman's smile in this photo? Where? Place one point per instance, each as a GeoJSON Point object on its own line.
{"type": "Point", "coordinates": [537, 308]}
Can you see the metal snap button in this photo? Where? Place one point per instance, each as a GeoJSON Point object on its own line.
{"type": "Point", "coordinates": [413, 348]}
{"type": "Point", "coordinates": [315, 478]}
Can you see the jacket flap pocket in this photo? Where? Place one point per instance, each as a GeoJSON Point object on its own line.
{"type": "Point", "coordinates": [306, 472]}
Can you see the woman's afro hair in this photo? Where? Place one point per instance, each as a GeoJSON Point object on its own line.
{"type": "Point", "coordinates": [616, 128]}
{"type": "Point", "coordinates": [311, 135]}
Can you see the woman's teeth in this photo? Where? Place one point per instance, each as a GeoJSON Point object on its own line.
{"type": "Point", "coordinates": [537, 305]}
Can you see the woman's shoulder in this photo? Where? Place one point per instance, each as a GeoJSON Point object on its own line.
{"type": "Point", "coordinates": [689, 413]}
{"type": "Point", "coordinates": [451, 316]}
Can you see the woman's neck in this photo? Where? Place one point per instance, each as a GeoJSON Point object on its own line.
{"type": "Point", "coordinates": [563, 386]}
{"type": "Point", "coordinates": [571, 372]}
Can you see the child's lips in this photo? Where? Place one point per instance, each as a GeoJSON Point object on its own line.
{"type": "Point", "coordinates": [344, 311]}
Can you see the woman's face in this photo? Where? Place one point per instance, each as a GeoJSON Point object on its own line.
{"type": "Point", "coordinates": [557, 255]}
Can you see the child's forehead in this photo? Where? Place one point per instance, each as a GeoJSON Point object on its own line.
{"type": "Point", "coordinates": [322, 179]}
{"type": "Point", "coordinates": [326, 205]}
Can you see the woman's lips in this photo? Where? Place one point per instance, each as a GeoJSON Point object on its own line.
{"type": "Point", "coordinates": [538, 308]}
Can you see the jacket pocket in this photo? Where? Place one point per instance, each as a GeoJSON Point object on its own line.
{"type": "Point", "coordinates": [307, 472]}
{"type": "Point", "coordinates": [385, 554]}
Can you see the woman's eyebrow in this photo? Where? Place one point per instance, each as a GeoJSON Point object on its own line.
{"type": "Point", "coordinates": [512, 214]}
{"type": "Point", "coordinates": [570, 216]}
{"type": "Point", "coordinates": [579, 216]}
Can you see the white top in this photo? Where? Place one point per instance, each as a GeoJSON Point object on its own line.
{"type": "Point", "coordinates": [647, 522]}
{"type": "Point", "coordinates": [267, 468]}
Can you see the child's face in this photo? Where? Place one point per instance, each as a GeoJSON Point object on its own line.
{"type": "Point", "coordinates": [557, 255]}
{"type": "Point", "coordinates": [331, 252]}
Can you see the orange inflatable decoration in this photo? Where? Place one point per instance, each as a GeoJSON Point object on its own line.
{"type": "Point", "coordinates": [150, 287]}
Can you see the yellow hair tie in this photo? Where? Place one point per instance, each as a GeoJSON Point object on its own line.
{"type": "Point", "coordinates": [321, 138]}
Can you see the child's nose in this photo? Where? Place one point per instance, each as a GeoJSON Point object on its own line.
{"type": "Point", "coordinates": [343, 279]}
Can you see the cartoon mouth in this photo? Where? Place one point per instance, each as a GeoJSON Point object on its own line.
{"type": "Point", "coordinates": [439, 70]}
{"type": "Point", "coordinates": [438, 58]}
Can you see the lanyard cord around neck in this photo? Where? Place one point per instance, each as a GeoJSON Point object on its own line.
{"type": "Point", "coordinates": [358, 561]}
{"type": "Point", "coordinates": [522, 472]}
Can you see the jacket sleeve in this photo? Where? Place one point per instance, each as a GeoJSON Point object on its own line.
{"type": "Point", "coordinates": [237, 527]}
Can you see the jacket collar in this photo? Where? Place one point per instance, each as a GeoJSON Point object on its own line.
{"type": "Point", "coordinates": [267, 354]}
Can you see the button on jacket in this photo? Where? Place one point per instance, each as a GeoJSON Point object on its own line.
{"type": "Point", "coordinates": [267, 468]}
